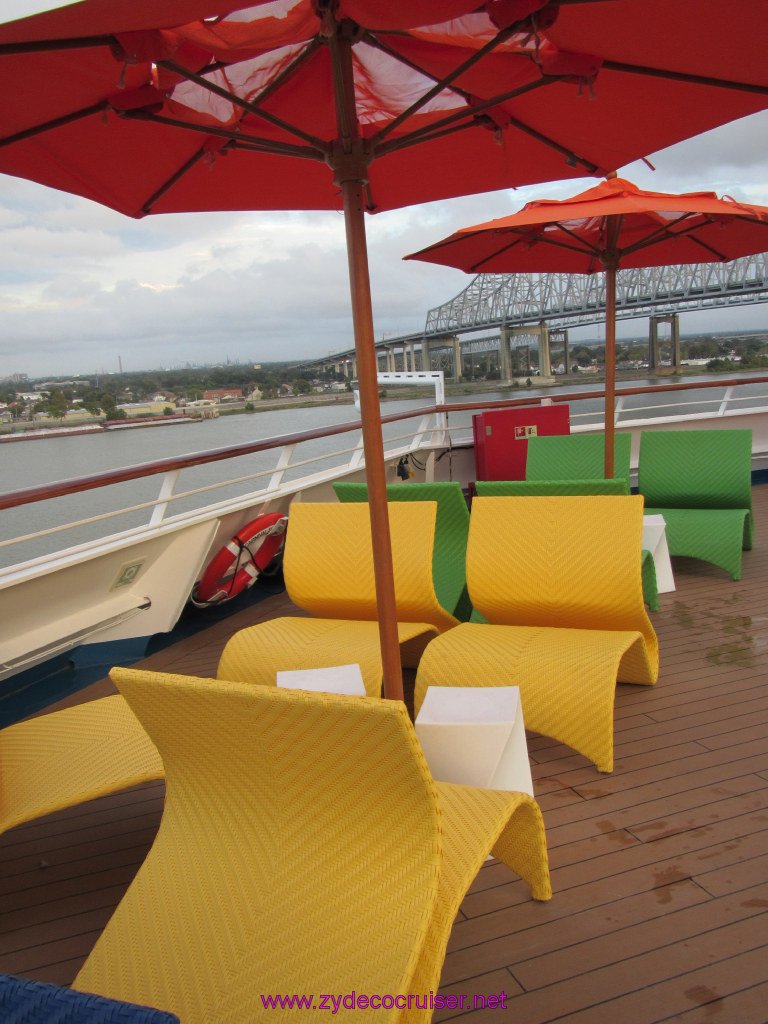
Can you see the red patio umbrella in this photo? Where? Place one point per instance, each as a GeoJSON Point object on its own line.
{"type": "Point", "coordinates": [613, 225]}
{"type": "Point", "coordinates": [162, 106]}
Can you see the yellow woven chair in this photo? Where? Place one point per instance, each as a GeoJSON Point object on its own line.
{"type": "Point", "coordinates": [328, 567]}
{"type": "Point", "coordinates": [304, 849]}
{"type": "Point", "coordinates": [558, 580]}
{"type": "Point", "coordinates": [70, 756]}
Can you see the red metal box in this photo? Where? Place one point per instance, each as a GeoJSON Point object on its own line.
{"type": "Point", "coordinates": [501, 438]}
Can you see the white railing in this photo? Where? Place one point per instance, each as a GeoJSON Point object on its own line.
{"type": "Point", "coordinates": [287, 465]}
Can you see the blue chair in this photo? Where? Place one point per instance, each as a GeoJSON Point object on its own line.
{"type": "Point", "coordinates": [35, 1002]}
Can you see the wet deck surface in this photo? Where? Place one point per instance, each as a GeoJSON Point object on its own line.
{"type": "Point", "coordinates": [659, 870]}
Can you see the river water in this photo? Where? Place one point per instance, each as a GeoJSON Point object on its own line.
{"type": "Point", "coordinates": [45, 460]}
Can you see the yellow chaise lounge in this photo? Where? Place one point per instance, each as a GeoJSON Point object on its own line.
{"type": "Point", "coordinates": [328, 567]}
{"type": "Point", "coordinates": [66, 757]}
{"type": "Point", "coordinates": [558, 580]}
{"type": "Point", "coordinates": [304, 848]}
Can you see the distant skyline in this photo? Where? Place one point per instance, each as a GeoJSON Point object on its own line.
{"type": "Point", "coordinates": [82, 287]}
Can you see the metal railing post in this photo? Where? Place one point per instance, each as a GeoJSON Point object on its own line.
{"type": "Point", "coordinates": [166, 493]}
{"type": "Point", "coordinates": [725, 400]}
{"type": "Point", "coordinates": [283, 463]}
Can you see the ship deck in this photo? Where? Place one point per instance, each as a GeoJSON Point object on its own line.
{"type": "Point", "coordinates": [659, 870]}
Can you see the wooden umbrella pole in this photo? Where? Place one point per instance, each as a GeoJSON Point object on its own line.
{"type": "Point", "coordinates": [610, 364]}
{"type": "Point", "coordinates": [373, 443]}
{"type": "Point", "coordinates": [350, 166]}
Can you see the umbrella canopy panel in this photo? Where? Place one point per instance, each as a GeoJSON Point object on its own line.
{"type": "Point", "coordinates": [612, 225]}
{"type": "Point", "coordinates": [166, 106]}
{"type": "Point", "coordinates": [615, 220]}
{"type": "Point", "coordinates": [235, 111]}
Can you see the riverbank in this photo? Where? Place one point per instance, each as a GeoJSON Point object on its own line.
{"type": "Point", "coordinates": [15, 432]}
{"type": "Point", "coordinates": [389, 393]}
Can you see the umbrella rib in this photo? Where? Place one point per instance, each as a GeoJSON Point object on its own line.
{"type": "Point", "coordinates": [235, 137]}
{"type": "Point", "coordinates": [236, 100]}
{"type": "Point", "coordinates": [682, 76]}
{"type": "Point", "coordinates": [475, 267]}
{"type": "Point", "coordinates": [449, 124]}
{"type": "Point", "coordinates": [471, 111]}
{"type": "Point", "coordinates": [440, 83]}
{"type": "Point", "coordinates": [431, 136]}
{"type": "Point", "coordinates": [667, 231]}
{"type": "Point", "coordinates": [288, 72]}
{"type": "Point", "coordinates": [176, 176]}
{"type": "Point", "coordinates": [582, 246]}
{"type": "Point", "coordinates": [708, 248]}
{"type": "Point", "coordinates": [57, 122]}
{"type": "Point", "coordinates": [571, 158]}
{"type": "Point", "coordinates": [47, 45]}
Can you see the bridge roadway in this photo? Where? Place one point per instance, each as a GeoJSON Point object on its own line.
{"type": "Point", "coordinates": [526, 308]}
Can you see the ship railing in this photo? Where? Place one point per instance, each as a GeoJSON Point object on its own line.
{"type": "Point", "coordinates": [171, 492]}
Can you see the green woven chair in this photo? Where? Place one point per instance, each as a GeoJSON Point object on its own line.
{"type": "Point", "coordinates": [451, 531]}
{"type": "Point", "coordinates": [576, 457]}
{"type": "Point", "coordinates": [701, 482]}
{"type": "Point", "coordinates": [536, 488]}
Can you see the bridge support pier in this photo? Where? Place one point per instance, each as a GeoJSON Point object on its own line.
{"type": "Point", "coordinates": [673, 320]}
{"type": "Point", "coordinates": [545, 359]}
{"type": "Point", "coordinates": [455, 345]}
{"type": "Point", "coordinates": [457, 376]}
{"type": "Point", "coordinates": [560, 336]}
{"type": "Point", "coordinates": [505, 353]}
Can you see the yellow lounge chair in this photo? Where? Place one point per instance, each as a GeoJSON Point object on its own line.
{"type": "Point", "coordinates": [304, 849]}
{"type": "Point", "coordinates": [449, 556]}
{"type": "Point", "coordinates": [328, 568]}
{"type": "Point", "coordinates": [535, 488]}
{"type": "Point", "coordinates": [70, 756]}
{"type": "Point", "coordinates": [558, 580]}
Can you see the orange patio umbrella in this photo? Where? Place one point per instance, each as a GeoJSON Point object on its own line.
{"type": "Point", "coordinates": [613, 225]}
{"type": "Point", "coordinates": [168, 106]}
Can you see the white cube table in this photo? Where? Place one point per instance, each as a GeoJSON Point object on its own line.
{"type": "Point", "coordinates": [655, 541]}
{"type": "Point", "coordinates": [337, 679]}
{"type": "Point", "coordinates": [475, 735]}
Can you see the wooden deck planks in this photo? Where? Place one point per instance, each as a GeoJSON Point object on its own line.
{"type": "Point", "coordinates": [659, 869]}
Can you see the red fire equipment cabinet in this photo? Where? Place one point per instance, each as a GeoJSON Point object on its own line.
{"type": "Point", "coordinates": [501, 438]}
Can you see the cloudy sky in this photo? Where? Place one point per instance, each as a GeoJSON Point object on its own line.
{"type": "Point", "coordinates": [84, 289]}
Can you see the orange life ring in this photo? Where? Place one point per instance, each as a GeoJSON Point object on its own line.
{"type": "Point", "coordinates": [238, 564]}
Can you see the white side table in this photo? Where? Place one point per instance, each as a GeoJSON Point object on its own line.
{"type": "Point", "coordinates": [337, 679]}
{"type": "Point", "coordinates": [475, 736]}
{"type": "Point", "coordinates": [655, 541]}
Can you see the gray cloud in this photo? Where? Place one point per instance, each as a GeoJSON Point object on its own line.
{"type": "Point", "coordinates": [81, 286]}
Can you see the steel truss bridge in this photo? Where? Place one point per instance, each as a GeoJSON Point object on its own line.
{"type": "Point", "coordinates": [544, 303]}
{"type": "Point", "coordinates": [575, 300]}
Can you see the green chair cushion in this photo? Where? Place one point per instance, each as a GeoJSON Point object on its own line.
{"type": "Point", "coordinates": [576, 457]}
{"type": "Point", "coordinates": [533, 488]}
